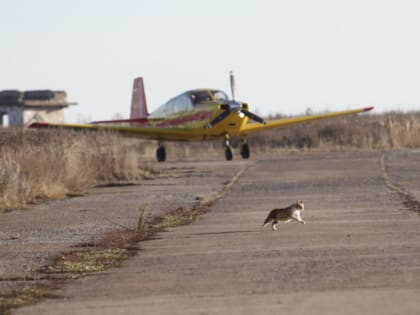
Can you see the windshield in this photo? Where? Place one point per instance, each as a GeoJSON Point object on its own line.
{"type": "Point", "coordinates": [208, 95]}
{"type": "Point", "coordinates": [220, 95]}
{"type": "Point", "coordinates": [200, 96]}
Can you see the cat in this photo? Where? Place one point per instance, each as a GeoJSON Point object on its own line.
{"type": "Point", "coordinates": [292, 212]}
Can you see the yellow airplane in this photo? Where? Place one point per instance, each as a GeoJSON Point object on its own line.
{"type": "Point", "coordinates": [196, 115]}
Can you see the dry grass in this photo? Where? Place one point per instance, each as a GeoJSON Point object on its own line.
{"type": "Point", "coordinates": [41, 164]}
{"type": "Point", "coordinates": [364, 132]}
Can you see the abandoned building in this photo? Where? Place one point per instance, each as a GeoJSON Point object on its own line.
{"type": "Point", "coordinates": [20, 109]}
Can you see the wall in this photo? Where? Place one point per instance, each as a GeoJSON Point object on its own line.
{"type": "Point", "coordinates": [43, 114]}
{"type": "Point", "coordinates": [14, 113]}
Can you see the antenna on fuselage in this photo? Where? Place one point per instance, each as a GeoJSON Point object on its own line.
{"type": "Point", "coordinates": [232, 84]}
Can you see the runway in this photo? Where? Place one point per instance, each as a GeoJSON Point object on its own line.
{"type": "Point", "coordinates": [358, 253]}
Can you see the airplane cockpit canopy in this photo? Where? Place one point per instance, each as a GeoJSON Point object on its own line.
{"type": "Point", "coordinates": [199, 96]}
{"type": "Point", "coordinates": [186, 101]}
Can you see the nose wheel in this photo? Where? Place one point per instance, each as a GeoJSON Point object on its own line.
{"type": "Point", "coordinates": [228, 148]}
{"type": "Point", "coordinates": [161, 153]}
{"type": "Point", "coordinates": [228, 153]}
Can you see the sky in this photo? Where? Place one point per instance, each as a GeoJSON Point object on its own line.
{"type": "Point", "coordinates": [288, 56]}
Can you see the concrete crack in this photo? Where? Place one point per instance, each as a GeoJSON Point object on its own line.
{"type": "Point", "coordinates": [407, 198]}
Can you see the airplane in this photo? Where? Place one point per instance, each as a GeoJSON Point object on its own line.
{"type": "Point", "coordinates": [195, 115]}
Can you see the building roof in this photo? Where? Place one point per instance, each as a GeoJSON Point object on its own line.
{"type": "Point", "coordinates": [34, 98]}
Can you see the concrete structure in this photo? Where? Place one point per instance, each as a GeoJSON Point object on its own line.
{"type": "Point", "coordinates": [20, 109]}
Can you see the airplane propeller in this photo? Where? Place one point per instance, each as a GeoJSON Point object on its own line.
{"type": "Point", "coordinates": [234, 106]}
{"type": "Point", "coordinates": [253, 116]}
{"type": "Point", "coordinates": [232, 85]}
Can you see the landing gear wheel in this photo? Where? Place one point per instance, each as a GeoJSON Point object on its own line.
{"type": "Point", "coordinates": [228, 153]}
{"type": "Point", "coordinates": [161, 154]}
{"type": "Point", "coordinates": [245, 153]}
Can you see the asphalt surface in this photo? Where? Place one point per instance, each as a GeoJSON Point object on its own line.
{"type": "Point", "coordinates": [358, 253]}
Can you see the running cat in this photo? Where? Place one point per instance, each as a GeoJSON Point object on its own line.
{"type": "Point", "coordinates": [292, 212]}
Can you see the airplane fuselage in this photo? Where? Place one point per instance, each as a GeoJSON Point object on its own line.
{"type": "Point", "coordinates": [193, 111]}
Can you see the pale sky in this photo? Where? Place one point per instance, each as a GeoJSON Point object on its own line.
{"type": "Point", "coordinates": [287, 55]}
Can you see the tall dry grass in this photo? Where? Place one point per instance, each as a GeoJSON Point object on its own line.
{"type": "Point", "coordinates": [365, 132]}
{"type": "Point", "coordinates": [41, 164]}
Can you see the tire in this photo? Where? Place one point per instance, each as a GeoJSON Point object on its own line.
{"type": "Point", "coordinates": [228, 153]}
{"type": "Point", "coordinates": [161, 154]}
{"type": "Point", "coordinates": [245, 152]}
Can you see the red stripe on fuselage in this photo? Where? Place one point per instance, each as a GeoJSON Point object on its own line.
{"type": "Point", "coordinates": [178, 121]}
{"type": "Point", "coordinates": [119, 121]}
{"type": "Point", "coordinates": [201, 116]}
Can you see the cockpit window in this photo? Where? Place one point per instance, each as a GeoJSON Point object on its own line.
{"type": "Point", "coordinates": [220, 95]}
{"type": "Point", "coordinates": [200, 96]}
{"type": "Point", "coordinates": [208, 95]}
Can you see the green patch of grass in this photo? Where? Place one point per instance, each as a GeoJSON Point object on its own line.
{"type": "Point", "coordinates": [21, 297]}
{"type": "Point", "coordinates": [179, 216]}
{"type": "Point", "coordinates": [171, 221]}
{"type": "Point", "coordinates": [94, 260]}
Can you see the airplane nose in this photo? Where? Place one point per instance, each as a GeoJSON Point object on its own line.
{"type": "Point", "coordinates": [231, 107]}
{"type": "Point", "coordinates": [234, 105]}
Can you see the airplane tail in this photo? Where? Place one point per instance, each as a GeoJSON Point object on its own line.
{"type": "Point", "coordinates": [138, 100]}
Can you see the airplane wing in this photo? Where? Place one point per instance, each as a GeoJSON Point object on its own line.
{"type": "Point", "coordinates": [192, 134]}
{"type": "Point", "coordinates": [153, 133]}
{"type": "Point", "coordinates": [281, 123]}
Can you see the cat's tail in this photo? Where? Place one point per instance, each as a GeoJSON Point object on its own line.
{"type": "Point", "coordinates": [267, 220]}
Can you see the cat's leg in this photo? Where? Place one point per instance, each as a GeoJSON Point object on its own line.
{"type": "Point", "coordinates": [267, 221]}
{"type": "Point", "coordinates": [274, 226]}
{"type": "Point", "coordinates": [298, 218]}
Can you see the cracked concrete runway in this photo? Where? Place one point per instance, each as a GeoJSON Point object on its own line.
{"type": "Point", "coordinates": [358, 253]}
